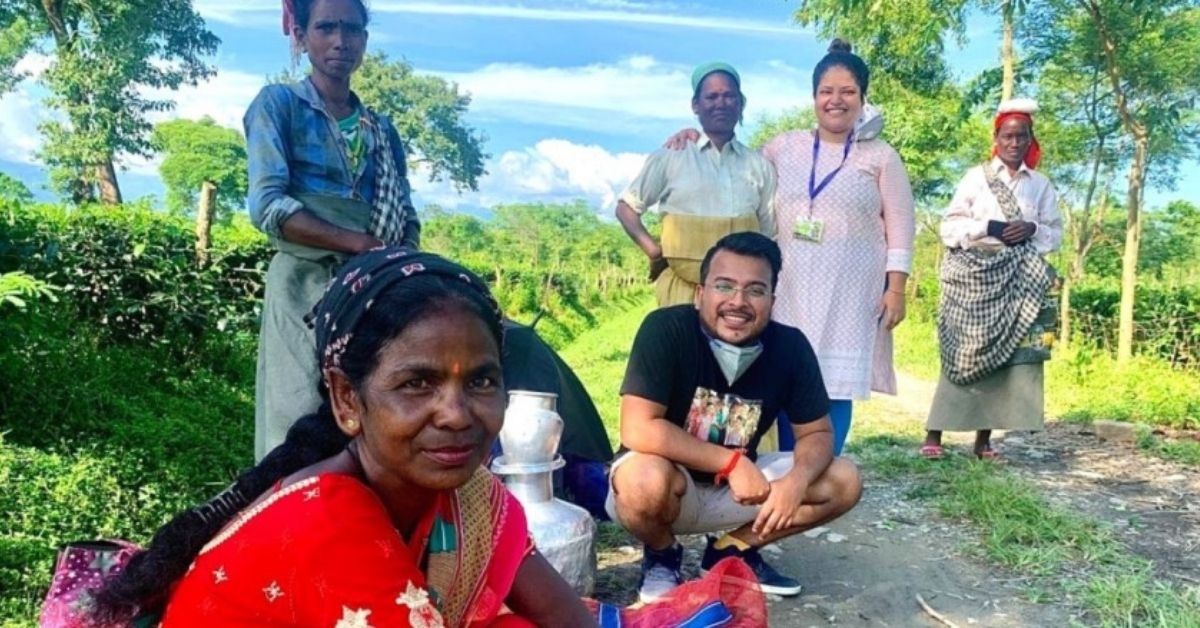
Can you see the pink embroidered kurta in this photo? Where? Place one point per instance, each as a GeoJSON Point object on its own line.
{"type": "Point", "coordinates": [833, 290]}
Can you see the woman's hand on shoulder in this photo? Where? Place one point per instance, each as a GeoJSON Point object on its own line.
{"type": "Point", "coordinates": [680, 140]}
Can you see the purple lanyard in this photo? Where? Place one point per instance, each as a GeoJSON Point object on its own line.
{"type": "Point", "coordinates": [813, 188]}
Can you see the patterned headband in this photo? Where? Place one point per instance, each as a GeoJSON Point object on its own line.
{"type": "Point", "coordinates": [361, 280]}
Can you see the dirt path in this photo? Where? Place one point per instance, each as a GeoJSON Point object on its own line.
{"type": "Point", "coordinates": [1152, 505]}
{"type": "Point", "coordinates": [868, 568]}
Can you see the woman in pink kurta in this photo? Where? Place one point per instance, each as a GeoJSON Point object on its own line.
{"type": "Point", "coordinates": [844, 286]}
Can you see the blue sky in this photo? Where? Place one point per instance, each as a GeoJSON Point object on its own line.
{"type": "Point", "coordinates": [571, 94]}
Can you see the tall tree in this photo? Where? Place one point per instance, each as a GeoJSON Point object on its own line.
{"type": "Point", "coordinates": [1081, 136]}
{"type": "Point", "coordinates": [106, 54]}
{"type": "Point", "coordinates": [1147, 51]}
{"type": "Point", "coordinates": [1009, 10]}
{"type": "Point", "coordinates": [204, 161]}
{"type": "Point", "coordinates": [429, 115]}
{"type": "Point", "coordinates": [199, 151]}
{"type": "Point", "coordinates": [16, 38]}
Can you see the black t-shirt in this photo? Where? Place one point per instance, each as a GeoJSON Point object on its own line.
{"type": "Point", "coordinates": [672, 363]}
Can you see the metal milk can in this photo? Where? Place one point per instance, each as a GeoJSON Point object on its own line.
{"type": "Point", "coordinates": [564, 533]}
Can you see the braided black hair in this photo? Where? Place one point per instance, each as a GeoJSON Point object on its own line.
{"type": "Point", "coordinates": [147, 580]}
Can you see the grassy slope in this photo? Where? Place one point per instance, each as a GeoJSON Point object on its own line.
{"type": "Point", "coordinates": [598, 357]}
{"type": "Point", "coordinates": [103, 440]}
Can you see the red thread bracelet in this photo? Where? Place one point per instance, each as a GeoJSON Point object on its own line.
{"type": "Point", "coordinates": [723, 474]}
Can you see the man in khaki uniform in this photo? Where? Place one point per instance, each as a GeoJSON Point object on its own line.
{"type": "Point", "coordinates": [704, 191]}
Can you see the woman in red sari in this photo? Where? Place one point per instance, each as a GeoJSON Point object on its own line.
{"type": "Point", "coordinates": [375, 511]}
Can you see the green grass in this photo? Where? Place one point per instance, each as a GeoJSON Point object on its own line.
{"type": "Point", "coordinates": [1021, 530]}
{"type": "Point", "coordinates": [1087, 385]}
{"type": "Point", "coordinates": [1018, 528]}
{"type": "Point", "coordinates": [1179, 450]}
{"type": "Point", "coordinates": [598, 357]}
{"type": "Point", "coordinates": [1083, 384]}
{"type": "Point", "coordinates": [916, 349]}
{"type": "Point", "coordinates": [1135, 598]}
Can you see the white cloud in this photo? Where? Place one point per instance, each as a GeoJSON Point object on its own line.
{"type": "Point", "coordinates": [615, 97]}
{"type": "Point", "coordinates": [33, 65]}
{"type": "Point", "coordinates": [224, 97]}
{"type": "Point", "coordinates": [627, 4]}
{"type": "Point", "coordinates": [136, 164]}
{"type": "Point", "coordinates": [236, 12]}
{"type": "Point", "coordinates": [586, 15]}
{"type": "Point", "coordinates": [21, 111]}
{"type": "Point", "coordinates": [251, 13]}
{"type": "Point", "coordinates": [551, 171]}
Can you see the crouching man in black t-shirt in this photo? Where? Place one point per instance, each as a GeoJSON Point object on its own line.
{"type": "Point", "coordinates": [703, 384]}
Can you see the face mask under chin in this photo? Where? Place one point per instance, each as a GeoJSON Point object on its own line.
{"type": "Point", "coordinates": [732, 359]}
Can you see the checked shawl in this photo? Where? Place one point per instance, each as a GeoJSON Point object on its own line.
{"type": "Point", "coordinates": [989, 301]}
{"type": "Point", "coordinates": [393, 203]}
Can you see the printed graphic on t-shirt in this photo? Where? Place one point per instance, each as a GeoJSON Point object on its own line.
{"type": "Point", "coordinates": [725, 420]}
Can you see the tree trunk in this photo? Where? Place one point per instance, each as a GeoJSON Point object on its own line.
{"type": "Point", "coordinates": [1006, 51]}
{"type": "Point", "coordinates": [204, 220]}
{"type": "Point", "coordinates": [1083, 230]}
{"type": "Point", "coordinates": [1137, 176]}
{"type": "Point", "coordinates": [1133, 238]}
{"type": "Point", "coordinates": [1064, 311]}
{"type": "Point", "coordinates": [106, 179]}
{"type": "Point", "coordinates": [82, 192]}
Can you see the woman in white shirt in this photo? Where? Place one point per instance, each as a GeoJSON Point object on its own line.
{"type": "Point", "coordinates": [995, 315]}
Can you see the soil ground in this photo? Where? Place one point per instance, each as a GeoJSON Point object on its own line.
{"type": "Point", "coordinates": [868, 568]}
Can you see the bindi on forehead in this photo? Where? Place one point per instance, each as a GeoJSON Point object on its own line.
{"type": "Point", "coordinates": [335, 13]}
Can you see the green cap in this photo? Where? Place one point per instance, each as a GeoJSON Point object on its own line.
{"type": "Point", "coordinates": [710, 67]}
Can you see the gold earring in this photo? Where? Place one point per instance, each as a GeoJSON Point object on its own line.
{"type": "Point", "coordinates": [351, 423]}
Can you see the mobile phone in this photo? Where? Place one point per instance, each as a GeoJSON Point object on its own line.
{"type": "Point", "coordinates": [995, 228]}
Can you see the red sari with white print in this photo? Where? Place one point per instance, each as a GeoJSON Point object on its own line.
{"type": "Point", "coordinates": [323, 552]}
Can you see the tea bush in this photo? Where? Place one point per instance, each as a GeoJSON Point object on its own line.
{"type": "Point", "coordinates": [101, 440]}
{"type": "Point", "coordinates": [132, 271]}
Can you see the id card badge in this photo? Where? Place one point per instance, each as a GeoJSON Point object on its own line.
{"type": "Point", "coordinates": [809, 229]}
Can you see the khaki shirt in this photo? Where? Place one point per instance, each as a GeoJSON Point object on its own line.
{"type": "Point", "coordinates": [700, 180]}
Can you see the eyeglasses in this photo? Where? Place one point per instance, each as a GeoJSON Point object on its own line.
{"type": "Point", "coordinates": [753, 292]}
